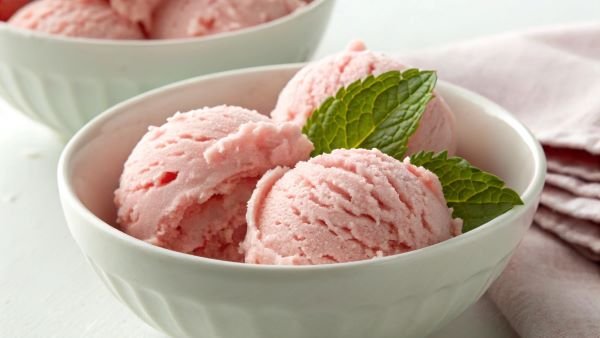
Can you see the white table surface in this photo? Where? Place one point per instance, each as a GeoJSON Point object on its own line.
{"type": "Point", "coordinates": [46, 287]}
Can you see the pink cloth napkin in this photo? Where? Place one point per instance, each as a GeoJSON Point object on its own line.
{"type": "Point", "coordinates": [550, 79]}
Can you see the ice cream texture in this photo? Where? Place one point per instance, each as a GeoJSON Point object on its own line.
{"type": "Point", "coordinates": [136, 11]}
{"type": "Point", "coordinates": [186, 183]}
{"type": "Point", "coordinates": [76, 18]}
{"type": "Point", "coordinates": [138, 19]}
{"type": "Point", "coordinates": [319, 80]}
{"type": "Point", "coordinates": [184, 18]}
{"type": "Point", "coordinates": [345, 206]}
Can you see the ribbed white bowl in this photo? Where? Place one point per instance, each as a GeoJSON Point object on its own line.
{"type": "Point", "coordinates": [64, 82]}
{"type": "Point", "coordinates": [408, 295]}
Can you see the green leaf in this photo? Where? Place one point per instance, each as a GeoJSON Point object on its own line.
{"type": "Point", "coordinates": [377, 112]}
{"type": "Point", "coordinates": [476, 196]}
{"type": "Point", "coordinates": [383, 112]}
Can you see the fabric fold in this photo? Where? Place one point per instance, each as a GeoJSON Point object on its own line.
{"type": "Point", "coordinates": [572, 205]}
{"type": "Point", "coordinates": [549, 290]}
{"type": "Point", "coordinates": [574, 185]}
{"type": "Point", "coordinates": [579, 233]}
{"type": "Point", "coordinates": [550, 80]}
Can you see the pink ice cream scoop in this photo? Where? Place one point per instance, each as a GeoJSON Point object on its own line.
{"type": "Point", "coordinates": [184, 18]}
{"type": "Point", "coordinates": [138, 11]}
{"type": "Point", "coordinates": [186, 184]}
{"type": "Point", "coordinates": [345, 206]}
{"type": "Point", "coordinates": [321, 79]}
{"type": "Point", "coordinates": [76, 18]}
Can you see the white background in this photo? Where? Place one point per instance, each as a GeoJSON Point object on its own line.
{"type": "Point", "coordinates": [397, 25]}
{"type": "Point", "coordinates": [47, 289]}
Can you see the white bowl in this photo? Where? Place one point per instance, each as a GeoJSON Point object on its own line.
{"type": "Point", "coordinates": [407, 295]}
{"type": "Point", "coordinates": [64, 82]}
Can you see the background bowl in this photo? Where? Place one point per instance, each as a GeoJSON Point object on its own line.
{"type": "Point", "coordinates": [407, 295]}
{"type": "Point", "coordinates": [64, 82]}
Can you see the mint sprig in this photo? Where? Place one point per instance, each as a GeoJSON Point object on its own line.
{"type": "Point", "coordinates": [383, 112]}
{"type": "Point", "coordinates": [378, 112]}
{"type": "Point", "coordinates": [475, 195]}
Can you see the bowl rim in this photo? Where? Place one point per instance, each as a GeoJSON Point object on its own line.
{"type": "Point", "coordinates": [31, 34]}
{"type": "Point", "coordinates": [67, 194]}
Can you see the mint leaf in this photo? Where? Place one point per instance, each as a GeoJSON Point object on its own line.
{"type": "Point", "coordinates": [383, 112]}
{"type": "Point", "coordinates": [476, 196]}
{"type": "Point", "coordinates": [377, 112]}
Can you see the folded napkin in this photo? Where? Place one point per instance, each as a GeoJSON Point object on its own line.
{"type": "Point", "coordinates": [550, 79]}
{"type": "Point", "coordinates": [548, 290]}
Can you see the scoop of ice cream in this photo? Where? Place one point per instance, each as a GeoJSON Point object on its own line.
{"type": "Point", "coordinates": [137, 11]}
{"type": "Point", "coordinates": [76, 18]}
{"type": "Point", "coordinates": [183, 18]}
{"type": "Point", "coordinates": [313, 84]}
{"type": "Point", "coordinates": [345, 206]}
{"type": "Point", "coordinates": [9, 7]}
{"type": "Point", "coordinates": [186, 183]}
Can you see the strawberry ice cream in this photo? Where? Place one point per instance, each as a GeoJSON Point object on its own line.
{"type": "Point", "coordinates": [345, 206]}
{"type": "Point", "coordinates": [76, 18]}
{"type": "Point", "coordinates": [137, 11]}
{"type": "Point", "coordinates": [9, 7]}
{"type": "Point", "coordinates": [184, 18]}
{"type": "Point", "coordinates": [186, 183]}
{"type": "Point", "coordinates": [322, 79]}
{"type": "Point", "coordinates": [134, 19]}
